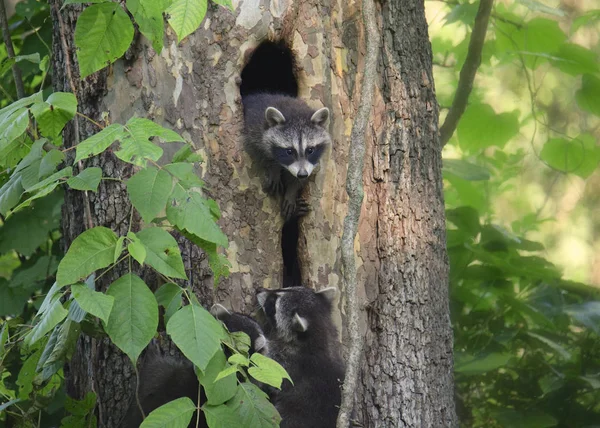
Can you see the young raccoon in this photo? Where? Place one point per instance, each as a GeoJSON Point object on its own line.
{"type": "Point", "coordinates": [282, 134]}
{"type": "Point", "coordinates": [162, 378]}
{"type": "Point", "coordinates": [235, 321]}
{"type": "Point", "coordinates": [303, 339]}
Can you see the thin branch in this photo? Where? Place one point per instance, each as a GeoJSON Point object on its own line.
{"type": "Point", "coordinates": [11, 51]}
{"type": "Point", "coordinates": [354, 188]}
{"type": "Point", "coordinates": [468, 71]}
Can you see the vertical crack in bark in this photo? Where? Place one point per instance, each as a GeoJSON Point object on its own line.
{"type": "Point", "coordinates": [354, 188]}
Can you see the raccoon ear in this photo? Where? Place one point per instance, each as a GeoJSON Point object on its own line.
{"type": "Point", "coordinates": [219, 311]}
{"type": "Point", "coordinates": [328, 293]}
{"type": "Point", "coordinates": [299, 324]}
{"type": "Point", "coordinates": [274, 117]}
{"type": "Point", "coordinates": [320, 116]}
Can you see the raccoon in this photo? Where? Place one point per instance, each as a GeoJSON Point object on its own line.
{"type": "Point", "coordinates": [282, 134]}
{"type": "Point", "coordinates": [302, 338]}
{"type": "Point", "coordinates": [235, 321]}
{"type": "Point", "coordinates": [162, 378]}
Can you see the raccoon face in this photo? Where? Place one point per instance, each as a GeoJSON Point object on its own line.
{"type": "Point", "coordinates": [293, 311]}
{"type": "Point", "coordinates": [239, 322]}
{"type": "Point", "coordinates": [297, 145]}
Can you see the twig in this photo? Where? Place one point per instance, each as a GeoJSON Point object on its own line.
{"type": "Point", "coordinates": [86, 201]}
{"type": "Point", "coordinates": [354, 188]}
{"type": "Point", "coordinates": [468, 71]}
{"type": "Point", "coordinates": [11, 52]}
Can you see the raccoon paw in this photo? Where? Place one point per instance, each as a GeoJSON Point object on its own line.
{"type": "Point", "coordinates": [273, 186]}
{"type": "Point", "coordinates": [302, 207]}
{"type": "Point", "coordinates": [297, 208]}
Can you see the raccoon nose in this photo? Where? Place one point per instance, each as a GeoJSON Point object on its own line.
{"type": "Point", "coordinates": [302, 173]}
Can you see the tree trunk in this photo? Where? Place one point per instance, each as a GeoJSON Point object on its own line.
{"type": "Point", "coordinates": [192, 87]}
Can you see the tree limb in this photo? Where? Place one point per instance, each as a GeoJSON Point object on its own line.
{"type": "Point", "coordinates": [468, 71]}
{"type": "Point", "coordinates": [354, 188]}
{"type": "Point", "coordinates": [11, 51]}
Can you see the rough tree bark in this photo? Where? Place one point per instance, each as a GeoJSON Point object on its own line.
{"type": "Point", "coordinates": [192, 87]}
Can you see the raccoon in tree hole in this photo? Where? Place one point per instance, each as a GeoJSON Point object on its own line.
{"type": "Point", "coordinates": [282, 134]}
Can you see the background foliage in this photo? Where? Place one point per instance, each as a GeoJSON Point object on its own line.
{"type": "Point", "coordinates": [521, 179]}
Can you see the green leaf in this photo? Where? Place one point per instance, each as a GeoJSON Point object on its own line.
{"type": "Point", "coordinates": [588, 97]}
{"type": "Point", "coordinates": [185, 173]}
{"type": "Point", "coordinates": [49, 319]}
{"type": "Point", "coordinates": [27, 373]}
{"type": "Point", "coordinates": [175, 414]}
{"type": "Point", "coordinates": [169, 296]}
{"type": "Point", "coordinates": [196, 333]}
{"type": "Point", "coordinates": [102, 35]}
{"type": "Point", "coordinates": [465, 170]}
{"type": "Point", "coordinates": [53, 114]}
{"type": "Point", "coordinates": [49, 163]}
{"type": "Point", "coordinates": [249, 408]}
{"type": "Point", "coordinates": [466, 219]}
{"type": "Point", "coordinates": [579, 156]}
{"type": "Point", "coordinates": [66, 341]}
{"type": "Point", "coordinates": [88, 179]}
{"type": "Point", "coordinates": [590, 16]}
{"type": "Point", "coordinates": [148, 15]}
{"type": "Point", "coordinates": [185, 16]}
{"type": "Point", "coordinates": [551, 344]}
{"type": "Point", "coordinates": [267, 370]}
{"type": "Point", "coordinates": [162, 252]}
{"type": "Point", "coordinates": [134, 316]}
{"type": "Point", "coordinates": [136, 248]}
{"type": "Point", "coordinates": [226, 3]}
{"type": "Point", "coordinates": [575, 59]}
{"type": "Point", "coordinates": [12, 299]}
{"type": "Point", "coordinates": [53, 179]}
{"type": "Point", "coordinates": [13, 126]}
{"type": "Point", "coordinates": [10, 193]}
{"type": "Point", "coordinates": [189, 211]}
{"type": "Point", "coordinates": [219, 264]}
{"type": "Point", "coordinates": [136, 147]}
{"type": "Point", "coordinates": [118, 248]}
{"type": "Point", "coordinates": [217, 392]}
{"type": "Point", "coordinates": [482, 364]}
{"type": "Point", "coordinates": [92, 250]}
{"type": "Point", "coordinates": [587, 313]}
{"type": "Point", "coordinates": [149, 191]}
{"type": "Point", "coordinates": [93, 302]}
{"type": "Point", "coordinates": [99, 142]}
{"type": "Point", "coordinates": [480, 127]}
{"type": "Point", "coordinates": [186, 154]}
{"type": "Point", "coordinates": [530, 419]}
{"type": "Point", "coordinates": [239, 359]}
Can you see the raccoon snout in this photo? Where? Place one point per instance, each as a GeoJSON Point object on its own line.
{"type": "Point", "coordinates": [302, 173]}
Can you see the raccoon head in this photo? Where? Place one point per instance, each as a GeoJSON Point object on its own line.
{"type": "Point", "coordinates": [240, 322]}
{"type": "Point", "coordinates": [297, 312]}
{"type": "Point", "coordinates": [297, 144]}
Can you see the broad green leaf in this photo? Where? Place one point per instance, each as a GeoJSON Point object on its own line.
{"type": "Point", "coordinates": [12, 300]}
{"type": "Point", "coordinates": [51, 296]}
{"type": "Point", "coordinates": [228, 371]}
{"type": "Point", "coordinates": [189, 211]}
{"type": "Point", "coordinates": [169, 296]}
{"type": "Point", "coordinates": [588, 97]}
{"type": "Point", "coordinates": [465, 170]}
{"type": "Point", "coordinates": [590, 16]}
{"type": "Point", "coordinates": [149, 191]}
{"type": "Point", "coordinates": [527, 419]}
{"type": "Point", "coordinates": [66, 341]}
{"type": "Point", "coordinates": [185, 16]}
{"type": "Point", "coordinates": [27, 373]}
{"type": "Point", "coordinates": [92, 250]}
{"type": "Point", "coordinates": [10, 193]}
{"type": "Point", "coordinates": [102, 35]}
{"type": "Point", "coordinates": [551, 344]}
{"type": "Point", "coordinates": [162, 252]}
{"type": "Point", "coordinates": [219, 264]}
{"type": "Point", "coordinates": [49, 319]}
{"type": "Point", "coordinates": [8, 111]}
{"type": "Point", "coordinates": [251, 406]}
{"type": "Point", "coordinates": [587, 313]}
{"type": "Point", "coordinates": [480, 127]}
{"type": "Point", "coordinates": [175, 414]}
{"type": "Point", "coordinates": [217, 392]}
{"type": "Point", "coordinates": [267, 370]}
{"type": "Point", "coordinates": [99, 142]}
{"type": "Point", "coordinates": [580, 156]}
{"type": "Point", "coordinates": [53, 179]}
{"type": "Point", "coordinates": [137, 251]}
{"type": "Point", "coordinates": [76, 312]}
{"type": "Point", "coordinates": [134, 316]}
{"type": "Point", "coordinates": [118, 248]}
{"type": "Point", "coordinates": [196, 333]}
{"type": "Point", "coordinates": [536, 6]}
{"type": "Point", "coordinates": [482, 364]}
{"type": "Point", "coordinates": [81, 407]}
{"type": "Point", "coordinates": [88, 179]}
{"type": "Point", "coordinates": [184, 172]}
{"type": "Point", "coordinates": [93, 302]}
{"type": "Point", "coordinates": [136, 147]}
{"type": "Point", "coordinates": [53, 114]}
{"type": "Point", "coordinates": [3, 340]}
{"type": "Point", "coordinates": [239, 359]}
{"type": "Point", "coordinates": [226, 3]}
{"type": "Point", "coordinates": [466, 219]}
{"type": "Point", "coordinates": [49, 163]}
{"type": "Point", "coordinates": [186, 154]}
{"type": "Point", "coordinates": [575, 59]}
{"type": "Point", "coordinates": [13, 126]}
{"type": "Point", "coordinates": [148, 15]}
{"type": "Point", "coordinates": [50, 345]}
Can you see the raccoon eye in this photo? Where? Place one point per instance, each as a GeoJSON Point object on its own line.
{"type": "Point", "coordinates": [310, 150]}
{"type": "Point", "coordinates": [290, 151]}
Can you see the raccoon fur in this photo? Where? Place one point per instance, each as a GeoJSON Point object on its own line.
{"type": "Point", "coordinates": [235, 321]}
{"type": "Point", "coordinates": [282, 134]}
{"type": "Point", "coordinates": [302, 338]}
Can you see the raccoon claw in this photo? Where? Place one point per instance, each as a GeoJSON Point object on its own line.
{"type": "Point", "coordinates": [273, 187]}
{"type": "Point", "coordinates": [298, 208]}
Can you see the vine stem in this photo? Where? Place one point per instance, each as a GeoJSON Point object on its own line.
{"type": "Point", "coordinates": [468, 71]}
{"type": "Point", "coordinates": [11, 51]}
{"type": "Point", "coordinates": [354, 189]}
